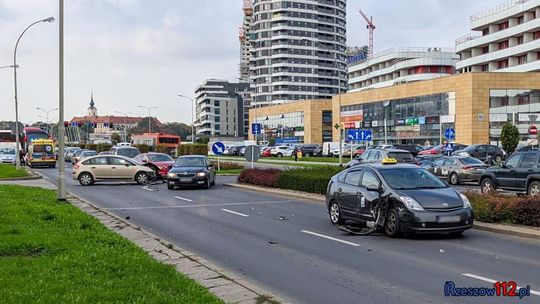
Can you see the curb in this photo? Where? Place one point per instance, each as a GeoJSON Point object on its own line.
{"type": "Point", "coordinates": [521, 231]}
{"type": "Point", "coordinates": [226, 286]}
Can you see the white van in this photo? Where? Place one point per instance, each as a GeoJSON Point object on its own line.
{"type": "Point", "coordinates": [328, 147]}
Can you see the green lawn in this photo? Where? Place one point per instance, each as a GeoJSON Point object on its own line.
{"type": "Point", "coordinates": [52, 252]}
{"type": "Point", "coordinates": [9, 171]}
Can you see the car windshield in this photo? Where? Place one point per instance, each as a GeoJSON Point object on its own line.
{"type": "Point", "coordinates": [470, 161]}
{"type": "Point", "coordinates": [401, 156]}
{"type": "Point", "coordinates": [159, 157]}
{"type": "Point", "coordinates": [411, 178]}
{"type": "Point", "coordinates": [128, 152]}
{"type": "Point", "coordinates": [190, 162]}
{"type": "Point", "coordinates": [88, 153]}
{"type": "Point", "coordinates": [471, 148]}
{"type": "Point", "coordinates": [42, 149]}
{"type": "Point", "coordinates": [7, 151]}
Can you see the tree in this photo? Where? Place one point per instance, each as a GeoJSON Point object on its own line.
{"type": "Point", "coordinates": [271, 141]}
{"type": "Point", "coordinates": [509, 137]}
{"type": "Point", "coordinates": [115, 138]}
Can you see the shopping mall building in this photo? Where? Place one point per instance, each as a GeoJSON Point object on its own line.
{"type": "Point", "coordinates": [476, 105]}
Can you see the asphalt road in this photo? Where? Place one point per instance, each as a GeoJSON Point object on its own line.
{"type": "Point", "coordinates": [288, 246]}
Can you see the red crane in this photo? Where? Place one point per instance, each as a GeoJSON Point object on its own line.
{"type": "Point", "coordinates": [371, 27]}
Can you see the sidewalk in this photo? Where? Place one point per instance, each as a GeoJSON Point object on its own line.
{"type": "Point", "coordinates": [42, 183]}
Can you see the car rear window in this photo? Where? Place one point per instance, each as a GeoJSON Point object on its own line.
{"type": "Point", "coordinates": [129, 152]}
{"type": "Point", "coordinates": [401, 156]}
{"type": "Point", "coordinates": [470, 161]}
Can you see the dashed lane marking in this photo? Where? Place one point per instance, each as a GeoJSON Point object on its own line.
{"type": "Point", "coordinates": [234, 212]}
{"type": "Point", "coordinates": [330, 238]}
{"type": "Point", "coordinates": [202, 205]}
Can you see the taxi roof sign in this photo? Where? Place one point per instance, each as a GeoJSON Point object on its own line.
{"type": "Point", "coordinates": [389, 161]}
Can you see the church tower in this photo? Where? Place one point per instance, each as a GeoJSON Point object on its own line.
{"type": "Point", "coordinates": [92, 111]}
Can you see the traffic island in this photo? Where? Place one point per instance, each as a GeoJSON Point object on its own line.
{"type": "Point", "coordinates": [9, 172]}
{"type": "Point", "coordinates": [52, 252]}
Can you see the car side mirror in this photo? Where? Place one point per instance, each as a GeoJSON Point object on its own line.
{"type": "Point", "coordinates": [373, 188]}
{"type": "Point", "coordinates": [503, 164]}
{"type": "Point", "coordinates": [210, 166]}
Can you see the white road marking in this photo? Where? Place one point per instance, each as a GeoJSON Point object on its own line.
{"type": "Point", "coordinates": [183, 199]}
{"type": "Point", "coordinates": [201, 205]}
{"type": "Point", "coordinates": [148, 189]}
{"type": "Point", "coordinates": [234, 212]}
{"type": "Point", "coordinates": [330, 238]}
{"type": "Point", "coordinates": [481, 278]}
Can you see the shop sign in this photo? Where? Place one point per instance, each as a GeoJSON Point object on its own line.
{"type": "Point", "coordinates": [447, 118]}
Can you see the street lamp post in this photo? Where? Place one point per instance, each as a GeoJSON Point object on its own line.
{"type": "Point", "coordinates": [149, 109]}
{"type": "Point", "coordinates": [14, 66]}
{"type": "Point", "coordinates": [125, 114]}
{"type": "Point", "coordinates": [192, 116]}
{"type": "Point", "coordinates": [47, 112]}
{"type": "Point", "coordinates": [336, 65]}
{"type": "Point", "coordinates": [62, 189]}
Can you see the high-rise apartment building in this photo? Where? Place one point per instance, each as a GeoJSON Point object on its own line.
{"type": "Point", "coordinates": [221, 108]}
{"type": "Point", "coordinates": [298, 50]}
{"type": "Point", "coordinates": [244, 36]}
{"type": "Point", "coordinates": [508, 39]}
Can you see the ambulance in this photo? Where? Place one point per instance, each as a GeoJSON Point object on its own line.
{"type": "Point", "coordinates": [41, 153]}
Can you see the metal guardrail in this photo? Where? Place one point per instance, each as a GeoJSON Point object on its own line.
{"type": "Point", "coordinates": [466, 38]}
{"type": "Point", "coordinates": [499, 8]}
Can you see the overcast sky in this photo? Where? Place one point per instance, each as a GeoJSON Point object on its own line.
{"type": "Point", "coordinates": [142, 52]}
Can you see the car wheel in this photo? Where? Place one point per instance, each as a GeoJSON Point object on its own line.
{"type": "Point", "coordinates": [453, 179]}
{"type": "Point", "coordinates": [279, 155]}
{"type": "Point", "coordinates": [86, 179]}
{"type": "Point", "coordinates": [213, 183]}
{"type": "Point", "coordinates": [335, 214]}
{"type": "Point", "coordinates": [534, 188]}
{"type": "Point", "coordinates": [142, 178]}
{"type": "Point", "coordinates": [170, 187]}
{"type": "Point", "coordinates": [207, 185]}
{"type": "Point", "coordinates": [392, 227]}
{"type": "Point", "coordinates": [498, 158]}
{"type": "Point", "coordinates": [306, 154]}
{"type": "Point", "coordinates": [486, 185]}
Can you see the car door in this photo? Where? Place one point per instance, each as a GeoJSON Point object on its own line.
{"type": "Point", "coordinates": [506, 176]}
{"type": "Point", "coordinates": [100, 167]}
{"type": "Point", "coordinates": [348, 191]}
{"type": "Point", "coordinates": [524, 169]}
{"type": "Point", "coordinates": [449, 165]}
{"type": "Point", "coordinates": [481, 152]}
{"type": "Point", "coordinates": [122, 168]}
{"type": "Point", "coordinates": [437, 166]}
{"type": "Point", "coordinates": [366, 198]}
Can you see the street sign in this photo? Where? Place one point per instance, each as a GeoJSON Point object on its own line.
{"type": "Point", "coordinates": [449, 147]}
{"type": "Point", "coordinates": [13, 131]}
{"type": "Point", "coordinates": [256, 128]}
{"type": "Point", "coordinates": [218, 148]}
{"type": "Point", "coordinates": [450, 134]}
{"type": "Point", "coordinates": [533, 130]}
{"type": "Point", "coordinates": [359, 135]}
{"type": "Point", "coordinates": [252, 153]}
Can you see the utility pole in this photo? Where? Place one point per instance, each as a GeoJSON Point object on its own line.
{"type": "Point", "coordinates": [192, 116]}
{"type": "Point", "coordinates": [149, 116]}
{"type": "Point", "coordinates": [61, 128]}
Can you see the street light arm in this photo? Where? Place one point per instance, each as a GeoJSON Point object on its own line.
{"type": "Point", "coordinates": [50, 20]}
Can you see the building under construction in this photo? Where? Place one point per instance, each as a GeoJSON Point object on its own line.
{"type": "Point", "coordinates": [245, 40]}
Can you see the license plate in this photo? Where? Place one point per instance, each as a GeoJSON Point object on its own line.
{"type": "Point", "coordinates": [449, 219]}
{"type": "Point", "coordinates": [185, 179]}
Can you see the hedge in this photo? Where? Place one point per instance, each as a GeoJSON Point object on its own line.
{"type": "Point", "coordinates": [90, 147]}
{"type": "Point", "coordinates": [313, 180]}
{"type": "Point", "coordinates": [192, 149]}
{"type": "Point", "coordinates": [497, 208]}
{"type": "Point", "coordinates": [103, 147]}
{"type": "Point", "coordinates": [142, 148]}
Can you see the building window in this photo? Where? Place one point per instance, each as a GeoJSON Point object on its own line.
{"type": "Point", "coordinates": [503, 26]}
{"type": "Point", "coordinates": [503, 64]}
{"type": "Point", "coordinates": [485, 31]}
{"type": "Point", "coordinates": [521, 19]}
{"type": "Point", "coordinates": [216, 103]}
{"type": "Point", "coordinates": [216, 119]}
{"type": "Point", "coordinates": [522, 59]}
{"type": "Point", "coordinates": [485, 50]}
{"type": "Point", "coordinates": [485, 68]}
{"type": "Point", "coordinates": [537, 35]}
{"type": "Point", "coordinates": [217, 127]}
{"type": "Point", "coordinates": [216, 111]}
{"type": "Point", "coordinates": [520, 40]}
{"type": "Point", "coordinates": [503, 45]}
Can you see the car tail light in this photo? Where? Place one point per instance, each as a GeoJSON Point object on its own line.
{"type": "Point", "coordinates": [467, 167]}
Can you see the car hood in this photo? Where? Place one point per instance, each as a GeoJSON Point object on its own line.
{"type": "Point", "coordinates": [435, 198]}
{"type": "Point", "coordinates": [7, 156]}
{"type": "Point", "coordinates": [186, 169]}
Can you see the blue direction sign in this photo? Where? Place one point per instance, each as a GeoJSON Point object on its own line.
{"type": "Point", "coordinates": [218, 148]}
{"type": "Point", "coordinates": [256, 128]}
{"type": "Point", "coordinates": [450, 134]}
{"type": "Point", "coordinates": [359, 135]}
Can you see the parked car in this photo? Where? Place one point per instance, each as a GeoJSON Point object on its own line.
{"type": "Point", "coordinates": [526, 148]}
{"type": "Point", "coordinates": [8, 156]}
{"type": "Point", "coordinates": [441, 149]}
{"type": "Point", "coordinates": [75, 155]}
{"type": "Point", "coordinates": [458, 169]}
{"type": "Point", "coordinates": [482, 152]}
{"type": "Point", "coordinates": [105, 153]}
{"type": "Point", "coordinates": [426, 161]}
{"type": "Point", "coordinates": [266, 152]}
{"type": "Point", "coordinates": [110, 167]}
{"type": "Point", "coordinates": [346, 150]}
{"type": "Point", "coordinates": [280, 151]}
{"type": "Point", "coordinates": [520, 172]}
{"type": "Point", "coordinates": [329, 147]}
{"type": "Point", "coordinates": [191, 170]}
{"type": "Point", "coordinates": [414, 200]}
{"type": "Point", "coordinates": [414, 149]}
{"type": "Point", "coordinates": [377, 155]}
{"type": "Point", "coordinates": [83, 155]}
{"type": "Point", "coordinates": [310, 150]}
{"type": "Point", "coordinates": [160, 162]}
{"type": "Point", "coordinates": [68, 153]}
{"type": "Point", "coordinates": [126, 151]}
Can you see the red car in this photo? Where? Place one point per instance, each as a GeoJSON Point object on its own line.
{"type": "Point", "coordinates": [441, 149]}
{"type": "Point", "coordinates": [358, 152]}
{"type": "Point", "coordinates": [160, 162]}
{"type": "Point", "coordinates": [266, 152]}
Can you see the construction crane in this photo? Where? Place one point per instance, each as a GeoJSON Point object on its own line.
{"type": "Point", "coordinates": [371, 27]}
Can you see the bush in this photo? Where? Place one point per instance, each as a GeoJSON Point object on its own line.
{"type": "Point", "coordinates": [90, 147]}
{"type": "Point", "coordinates": [497, 208]}
{"type": "Point", "coordinates": [162, 149]}
{"type": "Point", "coordinates": [103, 147]}
{"type": "Point", "coordinates": [229, 166]}
{"type": "Point", "coordinates": [509, 137]}
{"type": "Point", "coordinates": [192, 149]}
{"type": "Point", "coordinates": [142, 148]}
{"type": "Point", "coordinates": [260, 177]}
{"type": "Point", "coordinates": [312, 180]}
